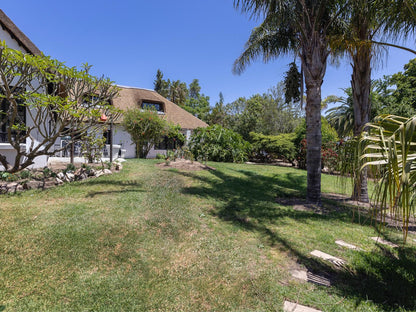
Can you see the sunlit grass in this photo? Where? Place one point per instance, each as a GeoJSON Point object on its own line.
{"type": "Point", "coordinates": [148, 239]}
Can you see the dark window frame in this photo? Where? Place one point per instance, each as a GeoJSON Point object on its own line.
{"type": "Point", "coordinates": [146, 104]}
{"type": "Point", "coordinates": [4, 124]}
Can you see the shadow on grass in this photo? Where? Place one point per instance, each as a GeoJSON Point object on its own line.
{"type": "Point", "coordinates": [124, 186]}
{"type": "Point", "coordinates": [249, 202]}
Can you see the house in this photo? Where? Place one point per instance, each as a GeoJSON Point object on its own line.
{"type": "Point", "coordinates": [17, 40]}
{"type": "Point", "coordinates": [128, 97]}
{"type": "Point", "coordinates": [131, 97]}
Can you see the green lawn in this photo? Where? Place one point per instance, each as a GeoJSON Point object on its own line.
{"type": "Point", "coordinates": [148, 239]}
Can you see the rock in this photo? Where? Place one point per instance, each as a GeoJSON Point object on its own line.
{"type": "Point", "coordinates": [3, 189]}
{"type": "Point", "coordinates": [48, 184]}
{"type": "Point", "coordinates": [107, 171]}
{"type": "Point", "coordinates": [295, 307]}
{"type": "Point", "coordinates": [83, 176]}
{"type": "Point", "coordinates": [58, 181]}
{"type": "Point", "coordinates": [120, 160]}
{"type": "Point", "coordinates": [60, 175]}
{"type": "Point", "coordinates": [92, 173]}
{"type": "Point", "coordinates": [70, 176]}
{"type": "Point", "coordinates": [99, 173]}
{"type": "Point", "coordinates": [118, 166]}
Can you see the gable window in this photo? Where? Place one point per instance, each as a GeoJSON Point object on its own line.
{"type": "Point", "coordinates": [153, 106]}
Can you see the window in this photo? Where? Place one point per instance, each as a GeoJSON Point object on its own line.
{"type": "Point", "coordinates": [167, 144]}
{"type": "Point", "coordinates": [4, 118]}
{"type": "Point", "coordinates": [153, 106]}
{"type": "Point", "coordinates": [107, 135]}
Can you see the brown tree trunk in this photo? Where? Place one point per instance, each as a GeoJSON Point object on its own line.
{"type": "Point", "coordinates": [361, 86]}
{"type": "Point", "coordinates": [314, 57]}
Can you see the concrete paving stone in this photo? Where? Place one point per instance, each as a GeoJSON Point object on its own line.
{"type": "Point", "coordinates": [295, 307]}
{"type": "Point", "coordinates": [346, 245]}
{"type": "Point", "coordinates": [337, 261]}
{"type": "Point", "coordinates": [300, 274]}
{"type": "Point", "coordinates": [384, 242]}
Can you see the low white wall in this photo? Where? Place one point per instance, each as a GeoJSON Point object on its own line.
{"type": "Point", "coordinates": [122, 138]}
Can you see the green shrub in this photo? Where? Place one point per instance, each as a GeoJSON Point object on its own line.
{"type": "Point", "coordinates": [70, 168]}
{"type": "Point", "coordinates": [219, 144]}
{"type": "Point", "coordinates": [160, 156]}
{"type": "Point", "coordinates": [25, 174]}
{"type": "Point", "coordinates": [184, 152]}
{"type": "Point", "coordinates": [9, 177]}
{"type": "Point", "coordinates": [146, 129]}
{"type": "Point", "coordinates": [329, 138]}
{"type": "Point", "coordinates": [267, 147]}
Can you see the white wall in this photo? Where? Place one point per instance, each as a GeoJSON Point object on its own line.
{"type": "Point", "coordinates": [122, 138]}
{"type": "Point", "coordinates": [6, 149]}
{"type": "Point", "coordinates": [11, 43]}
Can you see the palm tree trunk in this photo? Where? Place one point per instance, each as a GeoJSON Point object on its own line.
{"type": "Point", "coordinates": [361, 86]}
{"type": "Point", "coordinates": [314, 57]}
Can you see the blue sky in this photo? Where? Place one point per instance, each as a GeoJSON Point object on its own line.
{"type": "Point", "coordinates": [129, 40]}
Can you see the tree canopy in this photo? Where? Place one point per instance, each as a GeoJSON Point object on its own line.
{"type": "Point", "coordinates": [43, 100]}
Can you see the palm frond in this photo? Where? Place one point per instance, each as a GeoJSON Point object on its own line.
{"type": "Point", "coordinates": [270, 40]}
{"type": "Point", "coordinates": [390, 147]}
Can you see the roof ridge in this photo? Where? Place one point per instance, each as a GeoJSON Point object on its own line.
{"type": "Point", "coordinates": [8, 25]}
{"type": "Point", "coordinates": [138, 88]}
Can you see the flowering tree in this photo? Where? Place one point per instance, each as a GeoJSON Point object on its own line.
{"type": "Point", "coordinates": [146, 129]}
{"type": "Point", "coordinates": [43, 100]}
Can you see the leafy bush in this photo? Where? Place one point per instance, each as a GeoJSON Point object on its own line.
{"type": "Point", "coordinates": [92, 145]}
{"type": "Point", "coordinates": [160, 156]}
{"type": "Point", "coordinates": [329, 139]}
{"type": "Point", "coordinates": [145, 128]}
{"type": "Point", "coordinates": [329, 134]}
{"type": "Point", "coordinates": [330, 156]}
{"type": "Point", "coordinates": [219, 144]}
{"type": "Point", "coordinates": [9, 177]}
{"type": "Point", "coordinates": [69, 168]}
{"type": "Point", "coordinates": [25, 174]}
{"type": "Point", "coordinates": [184, 152]}
{"type": "Point", "coordinates": [266, 147]}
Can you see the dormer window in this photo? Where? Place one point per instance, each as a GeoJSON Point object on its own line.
{"type": "Point", "coordinates": [153, 106]}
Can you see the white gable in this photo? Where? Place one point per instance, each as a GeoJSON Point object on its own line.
{"type": "Point", "coordinates": [11, 43]}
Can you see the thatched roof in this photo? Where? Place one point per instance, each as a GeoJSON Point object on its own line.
{"type": "Point", "coordinates": [7, 24]}
{"type": "Point", "coordinates": [130, 97]}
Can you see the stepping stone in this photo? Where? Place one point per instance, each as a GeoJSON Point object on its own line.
{"type": "Point", "coordinates": [310, 277]}
{"type": "Point", "coordinates": [346, 245]}
{"type": "Point", "coordinates": [300, 274]}
{"type": "Point", "coordinates": [384, 242]}
{"type": "Point", "coordinates": [295, 307]}
{"type": "Point", "coordinates": [337, 261]}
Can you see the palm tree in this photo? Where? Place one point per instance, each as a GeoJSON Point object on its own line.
{"type": "Point", "coordinates": [367, 20]}
{"type": "Point", "coordinates": [341, 117]}
{"type": "Point", "coordinates": [177, 92]}
{"type": "Point", "coordinates": [301, 27]}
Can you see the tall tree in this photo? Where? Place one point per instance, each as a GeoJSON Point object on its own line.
{"type": "Point", "coordinates": [366, 20]}
{"type": "Point", "coordinates": [194, 89]}
{"type": "Point", "coordinates": [218, 114]}
{"type": "Point", "coordinates": [178, 92]}
{"type": "Point", "coordinates": [301, 27]}
{"type": "Point", "coordinates": [160, 85]}
{"type": "Point", "coordinates": [36, 119]}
